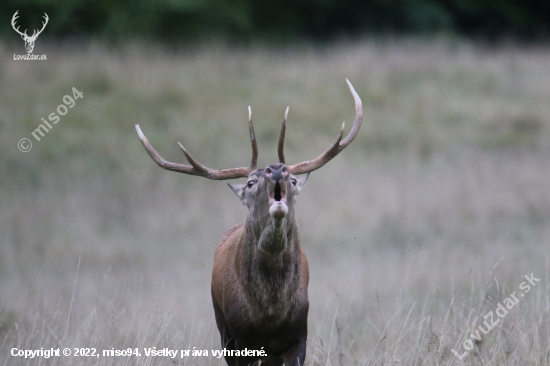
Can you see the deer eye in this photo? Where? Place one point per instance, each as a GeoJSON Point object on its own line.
{"type": "Point", "coordinates": [294, 181]}
{"type": "Point", "coordinates": [250, 183]}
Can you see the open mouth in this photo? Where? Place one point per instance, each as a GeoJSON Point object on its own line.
{"type": "Point", "coordinates": [277, 202]}
{"type": "Point", "coordinates": [278, 194]}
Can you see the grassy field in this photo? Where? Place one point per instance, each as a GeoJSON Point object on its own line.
{"type": "Point", "coordinates": [427, 221]}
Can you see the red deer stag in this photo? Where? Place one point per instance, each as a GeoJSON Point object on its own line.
{"type": "Point", "coordinates": [260, 275]}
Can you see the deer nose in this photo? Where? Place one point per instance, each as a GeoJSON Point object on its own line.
{"type": "Point", "coordinates": [276, 172]}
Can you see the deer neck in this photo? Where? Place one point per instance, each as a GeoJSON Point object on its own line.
{"type": "Point", "coordinates": [269, 266]}
{"type": "Point", "coordinates": [268, 238]}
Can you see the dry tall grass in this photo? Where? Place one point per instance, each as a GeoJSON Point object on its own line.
{"type": "Point", "coordinates": [415, 232]}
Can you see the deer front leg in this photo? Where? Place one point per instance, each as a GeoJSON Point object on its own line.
{"type": "Point", "coordinates": [296, 355]}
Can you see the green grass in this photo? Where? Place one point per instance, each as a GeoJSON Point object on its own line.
{"type": "Point", "coordinates": [423, 224]}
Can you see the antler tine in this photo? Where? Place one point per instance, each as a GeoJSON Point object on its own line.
{"type": "Point", "coordinates": [254, 161]}
{"type": "Point", "coordinates": [280, 150]}
{"type": "Point", "coordinates": [338, 145]}
{"type": "Point", "coordinates": [13, 19]}
{"type": "Point", "coordinates": [196, 168]}
{"type": "Point", "coordinates": [43, 24]}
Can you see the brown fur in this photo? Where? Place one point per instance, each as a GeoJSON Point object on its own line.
{"type": "Point", "coordinates": [259, 285]}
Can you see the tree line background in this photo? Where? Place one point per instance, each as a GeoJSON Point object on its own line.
{"type": "Point", "coordinates": [280, 20]}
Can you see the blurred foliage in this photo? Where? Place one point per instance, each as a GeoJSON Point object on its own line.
{"type": "Point", "coordinates": [282, 20]}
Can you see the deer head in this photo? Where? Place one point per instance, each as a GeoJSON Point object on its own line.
{"type": "Point", "coordinates": [269, 192]}
{"type": "Point", "coordinates": [29, 41]}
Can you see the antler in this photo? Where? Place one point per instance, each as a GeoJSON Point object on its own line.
{"type": "Point", "coordinates": [15, 16]}
{"type": "Point", "coordinates": [197, 168]}
{"type": "Point", "coordinates": [280, 150]}
{"type": "Point", "coordinates": [35, 34]}
{"type": "Point", "coordinates": [337, 146]}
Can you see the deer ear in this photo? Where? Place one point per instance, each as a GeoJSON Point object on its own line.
{"type": "Point", "coordinates": [239, 190]}
{"type": "Point", "coordinates": [302, 182]}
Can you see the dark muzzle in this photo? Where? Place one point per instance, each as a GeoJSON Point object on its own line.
{"type": "Point", "coordinates": [277, 172]}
